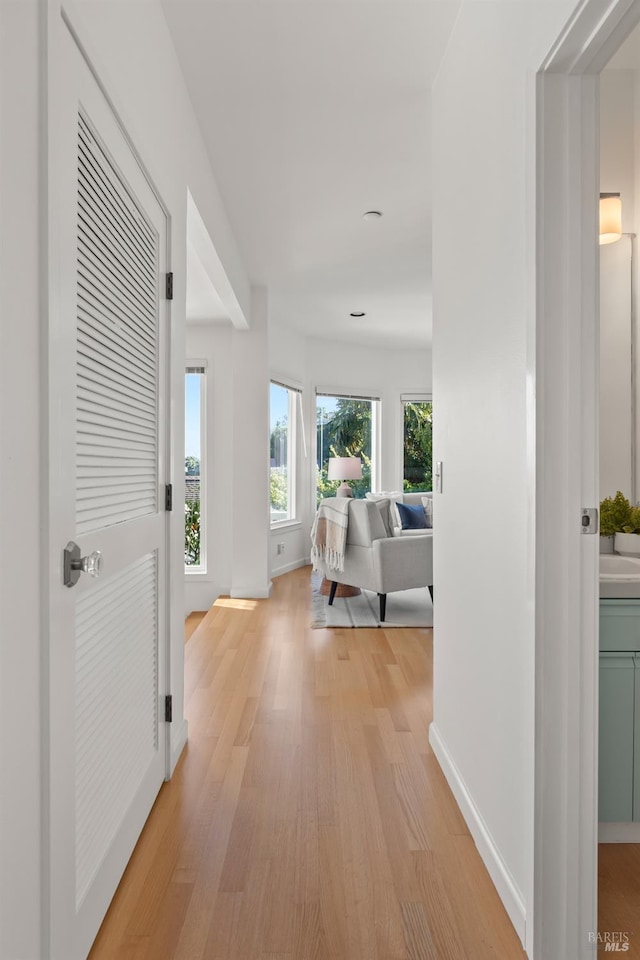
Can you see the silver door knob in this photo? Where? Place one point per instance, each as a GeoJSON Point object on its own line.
{"type": "Point", "coordinates": [74, 564]}
{"type": "Point", "coordinates": [91, 564]}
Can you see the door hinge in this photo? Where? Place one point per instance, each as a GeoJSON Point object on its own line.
{"type": "Point", "coordinates": [168, 709]}
{"type": "Point", "coordinates": [168, 497]}
{"type": "Point", "coordinates": [169, 286]}
{"type": "Point", "coordinates": [589, 520]}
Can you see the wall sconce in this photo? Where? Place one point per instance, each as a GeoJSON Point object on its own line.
{"type": "Point", "coordinates": [610, 217]}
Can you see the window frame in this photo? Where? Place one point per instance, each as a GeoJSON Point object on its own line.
{"type": "Point", "coordinates": [293, 411]}
{"type": "Point", "coordinates": [375, 397]}
{"type": "Point", "coordinates": [200, 367]}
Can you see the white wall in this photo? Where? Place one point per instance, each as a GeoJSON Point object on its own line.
{"type": "Point", "coordinates": [631, 222]}
{"type": "Point", "coordinates": [237, 500]}
{"type": "Point", "coordinates": [250, 465]}
{"type": "Point", "coordinates": [21, 570]}
{"type": "Point", "coordinates": [483, 367]}
{"type": "Point", "coordinates": [288, 363]}
{"type": "Point", "coordinates": [131, 50]}
{"type": "Point", "coordinates": [617, 173]}
{"type": "Point", "coordinates": [615, 369]}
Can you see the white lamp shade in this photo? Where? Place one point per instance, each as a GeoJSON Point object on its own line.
{"type": "Point", "coordinates": [610, 218]}
{"type": "Point", "coordinates": [345, 468]}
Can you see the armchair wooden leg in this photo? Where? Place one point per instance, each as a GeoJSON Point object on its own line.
{"type": "Point", "coordinates": [431, 592]}
{"type": "Point", "coordinates": [332, 592]}
{"type": "Point", "coordinates": [383, 606]}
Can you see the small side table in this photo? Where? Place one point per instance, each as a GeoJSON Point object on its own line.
{"type": "Point", "coordinates": [342, 590]}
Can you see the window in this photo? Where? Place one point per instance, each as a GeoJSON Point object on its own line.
{"type": "Point", "coordinates": [283, 402]}
{"type": "Point", "coordinates": [346, 426]}
{"type": "Point", "coordinates": [417, 414]}
{"type": "Point", "coordinates": [194, 466]}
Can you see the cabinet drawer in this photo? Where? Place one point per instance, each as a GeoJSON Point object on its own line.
{"type": "Point", "coordinates": [616, 737]}
{"type": "Point", "coordinates": [636, 744]}
{"type": "Point", "coordinates": [619, 625]}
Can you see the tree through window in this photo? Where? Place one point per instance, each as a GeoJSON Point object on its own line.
{"type": "Point", "coordinates": [417, 444]}
{"type": "Point", "coordinates": [194, 468]}
{"type": "Point", "coordinates": [345, 427]}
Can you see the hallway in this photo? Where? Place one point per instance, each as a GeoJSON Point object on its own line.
{"type": "Point", "coordinates": [308, 818]}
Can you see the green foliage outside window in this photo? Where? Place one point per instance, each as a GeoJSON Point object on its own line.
{"type": "Point", "coordinates": [347, 433]}
{"type": "Point", "coordinates": [418, 446]}
{"type": "Point", "coordinates": [192, 513]}
{"type": "Point", "coordinates": [344, 433]}
{"type": "Point", "coordinates": [192, 533]}
{"type": "Point", "coordinates": [191, 467]}
{"type": "Point", "coordinates": [278, 488]}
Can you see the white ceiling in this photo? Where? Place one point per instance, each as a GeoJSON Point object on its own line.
{"type": "Point", "coordinates": [628, 56]}
{"type": "Point", "coordinates": [314, 111]}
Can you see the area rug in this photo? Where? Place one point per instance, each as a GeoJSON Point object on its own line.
{"type": "Point", "coordinates": [405, 608]}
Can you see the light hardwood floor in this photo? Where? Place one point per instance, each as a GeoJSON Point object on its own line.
{"type": "Point", "coordinates": [192, 622]}
{"type": "Point", "coordinates": [308, 818]}
{"type": "Point", "coordinates": [619, 892]}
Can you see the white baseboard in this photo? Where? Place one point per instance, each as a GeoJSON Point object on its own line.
{"type": "Point", "coordinates": [178, 744]}
{"type": "Point", "coordinates": [199, 593]}
{"type": "Point", "coordinates": [288, 567]}
{"type": "Point", "coordinates": [619, 833]}
{"type": "Point", "coordinates": [498, 871]}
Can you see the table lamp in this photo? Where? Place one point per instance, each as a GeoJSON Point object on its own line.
{"type": "Point", "coordinates": [344, 468]}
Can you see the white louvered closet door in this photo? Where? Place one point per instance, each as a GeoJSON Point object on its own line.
{"type": "Point", "coordinates": [108, 424]}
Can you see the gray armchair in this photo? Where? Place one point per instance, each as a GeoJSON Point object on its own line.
{"type": "Point", "coordinates": [376, 561]}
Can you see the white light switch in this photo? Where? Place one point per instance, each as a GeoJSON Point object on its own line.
{"type": "Point", "coordinates": [438, 476]}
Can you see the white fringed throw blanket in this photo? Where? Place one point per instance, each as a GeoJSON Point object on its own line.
{"type": "Point", "coordinates": [329, 533]}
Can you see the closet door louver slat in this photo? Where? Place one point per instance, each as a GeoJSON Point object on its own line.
{"type": "Point", "coordinates": [116, 706]}
{"type": "Point", "coordinates": [107, 182]}
{"type": "Point", "coordinates": [117, 347]}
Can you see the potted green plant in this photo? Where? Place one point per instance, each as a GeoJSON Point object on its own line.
{"type": "Point", "coordinates": [613, 513]}
{"type": "Point", "coordinates": [619, 526]}
{"type": "Point", "coordinates": [627, 541]}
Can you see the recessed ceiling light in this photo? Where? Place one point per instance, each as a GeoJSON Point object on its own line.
{"type": "Point", "coordinates": [372, 214]}
{"type": "Point", "coordinates": [357, 313]}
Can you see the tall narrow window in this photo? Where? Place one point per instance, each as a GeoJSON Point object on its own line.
{"type": "Point", "coordinates": [346, 427]}
{"type": "Point", "coordinates": [194, 475]}
{"type": "Point", "coordinates": [417, 412]}
{"type": "Point", "coordinates": [283, 403]}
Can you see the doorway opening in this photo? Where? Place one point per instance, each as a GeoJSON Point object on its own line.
{"type": "Point", "coordinates": [567, 480]}
{"type": "Point", "coordinates": [619, 659]}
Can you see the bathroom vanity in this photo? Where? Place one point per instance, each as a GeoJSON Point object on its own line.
{"type": "Point", "coordinates": [619, 726]}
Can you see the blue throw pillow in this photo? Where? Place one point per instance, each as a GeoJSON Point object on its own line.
{"type": "Point", "coordinates": [412, 516]}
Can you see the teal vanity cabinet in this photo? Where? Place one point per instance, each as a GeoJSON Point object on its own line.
{"type": "Point", "coordinates": [619, 725]}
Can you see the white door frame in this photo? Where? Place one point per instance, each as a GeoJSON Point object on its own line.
{"type": "Point", "coordinates": [566, 441]}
